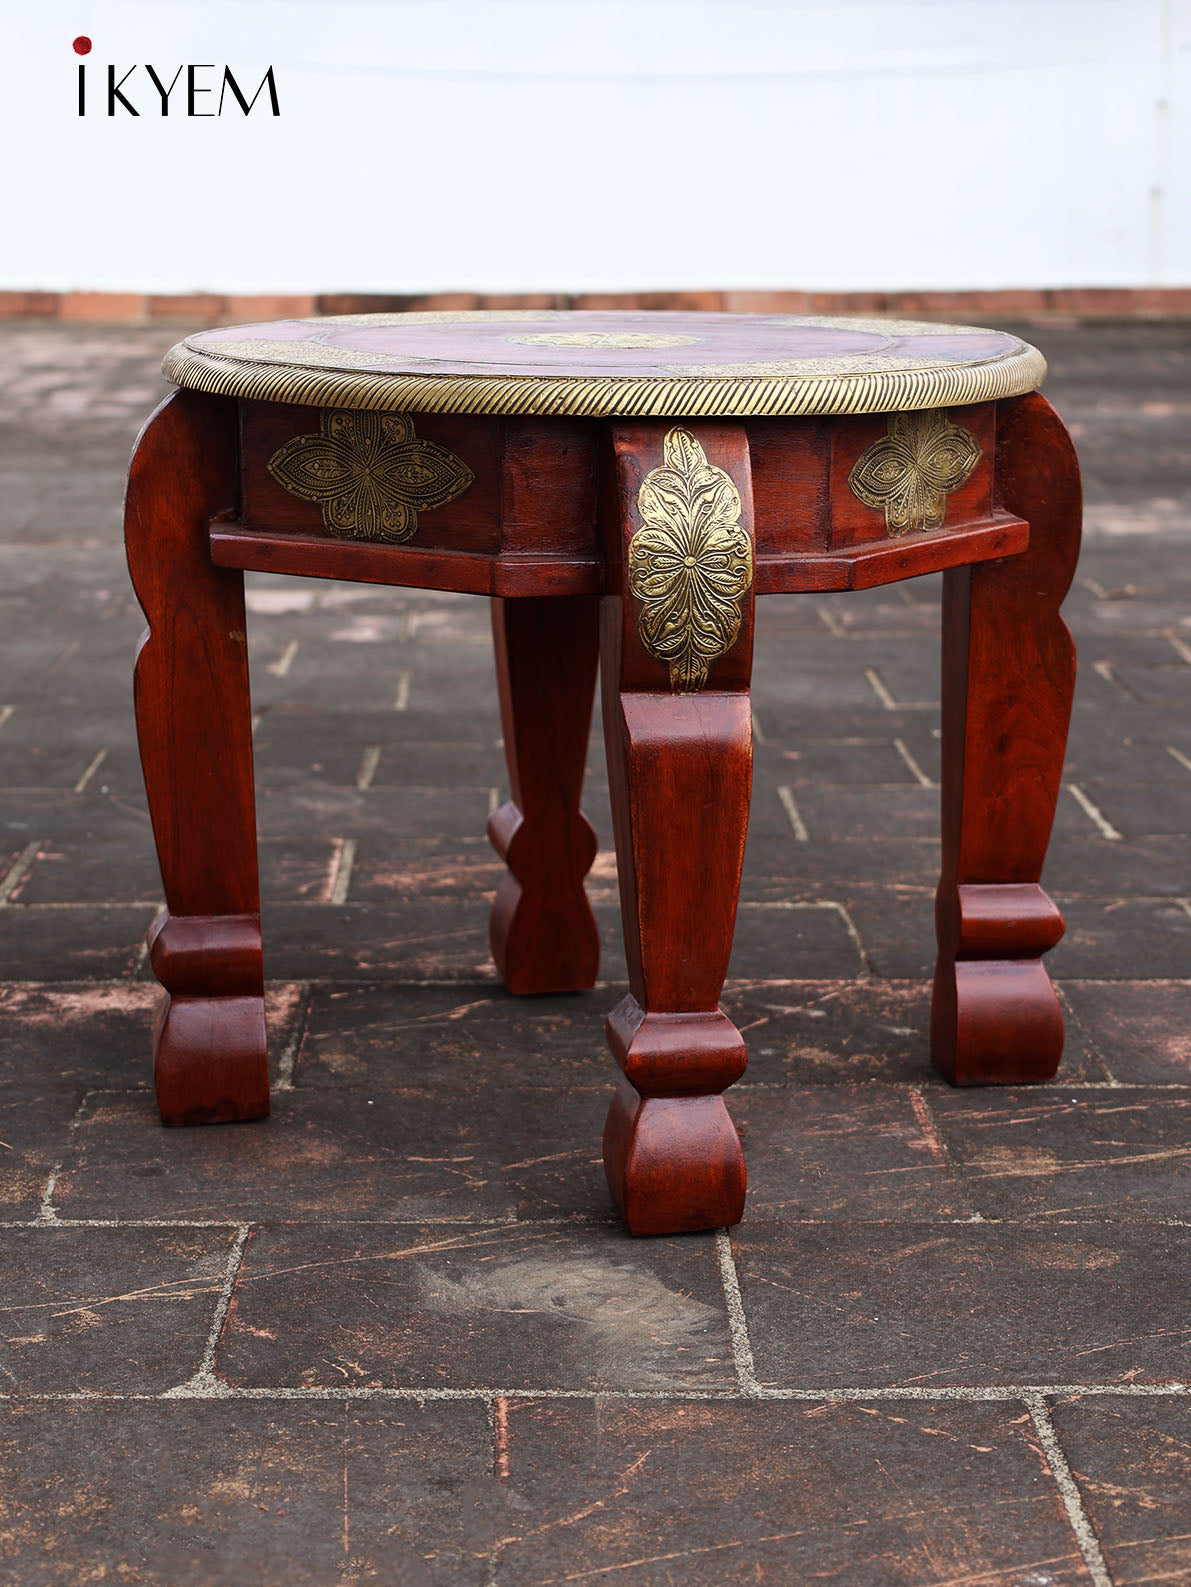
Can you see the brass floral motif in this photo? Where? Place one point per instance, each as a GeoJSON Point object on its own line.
{"type": "Point", "coordinates": [910, 472]}
{"type": "Point", "coordinates": [691, 563]}
{"type": "Point", "coordinates": [370, 474]}
{"type": "Point", "coordinates": [628, 339]}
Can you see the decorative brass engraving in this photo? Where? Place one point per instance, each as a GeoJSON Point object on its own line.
{"type": "Point", "coordinates": [628, 339]}
{"type": "Point", "coordinates": [691, 564]}
{"type": "Point", "coordinates": [910, 472]}
{"type": "Point", "coordinates": [370, 474]}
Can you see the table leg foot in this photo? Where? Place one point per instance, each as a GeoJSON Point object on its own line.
{"type": "Point", "coordinates": [995, 1017]}
{"type": "Point", "coordinates": [210, 1058]}
{"type": "Point", "coordinates": [671, 1152]}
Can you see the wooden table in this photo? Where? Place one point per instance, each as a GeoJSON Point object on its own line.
{"type": "Point", "coordinates": [623, 486]}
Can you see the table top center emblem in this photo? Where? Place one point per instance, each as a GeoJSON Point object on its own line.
{"type": "Point", "coordinates": [370, 474]}
{"type": "Point", "coordinates": [628, 339]}
{"type": "Point", "coordinates": [691, 562]}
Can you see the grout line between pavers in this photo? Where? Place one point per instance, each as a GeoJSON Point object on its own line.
{"type": "Point", "coordinates": [1105, 670]}
{"type": "Point", "coordinates": [830, 621]}
{"type": "Point", "coordinates": [96, 763]}
{"type": "Point", "coordinates": [47, 1213]}
{"type": "Point", "coordinates": [17, 871]}
{"type": "Point", "coordinates": [68, 654]}
{"type": "Point", "coordinates": [877, 685]}
{"type": "Point", "coordinates": [1077, 1515]}
{"type": "Point", "coordinates": [288, 1057]}
{"type": "Point", "coordinates": [738, 1328]}
{"type": "Point", "coordinates": [845, 914]}
{"type": "Point", "coordinates": [212, 1388]}
{"type": "Point", "coordinates": [576, 1220]}
{"type": "Point", "coordinates": [457, 1220]}
{"type": "Point", "coordinates": [915, 769]}
{"type": "Point", "coordinates": [280, 667]}
{"type": "Point", "coordinates": [369, 761]}
{"type": "Point", "coordinates": [793, 813]}
{"type": "Point", "coordinates": [1094, 814]}
{"type": "Point", "coordinates": [1071, 1020]}
{"type": "Point", "coordinates": [344, 865]}
{"type": "Point", "coordinates": [204, 1384]}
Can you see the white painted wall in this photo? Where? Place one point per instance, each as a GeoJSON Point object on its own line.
{"type": "Point", "coordinates": [569, 145]}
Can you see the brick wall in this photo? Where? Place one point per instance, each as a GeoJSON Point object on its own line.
{"type": "Point", "coordinates": [203, 308]}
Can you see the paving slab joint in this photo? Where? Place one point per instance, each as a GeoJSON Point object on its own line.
{"type": "Point", "coordinates": [738, 1329]}
{"type": "Point", "coordinates": [47, 1213]}
{"type": "Point", "coordinates": [288, 1058]}
{"type": "Point", "coordinates": [1077, 1515]}
{"type": "Point", "coordinates": [204, 1385]}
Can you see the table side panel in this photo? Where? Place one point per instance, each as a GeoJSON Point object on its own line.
{"type": "Point", "coordinates": [469, 522]}
{"type": "Point", "coordinates": [527, 521]}
{"type": "Point", "coordinates": [853, 522]}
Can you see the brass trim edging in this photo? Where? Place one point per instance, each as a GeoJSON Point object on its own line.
{"type": "Point", "coordinates": [765, 396]}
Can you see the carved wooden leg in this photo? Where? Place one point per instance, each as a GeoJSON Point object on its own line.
{"type": "Point", "coordinates": [195, 730]}
{"type": "Point", "coordinates": [542, 931]}
{"type": "Point", "coordinates": [1008, 677]}
{"type": "Point", "coordinates": [679, 742]}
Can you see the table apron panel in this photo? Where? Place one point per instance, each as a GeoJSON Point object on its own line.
{"type": "Point", "coordinates": [508, 506]}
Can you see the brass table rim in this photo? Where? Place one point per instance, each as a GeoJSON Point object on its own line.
{"type": "Point", "coordinates": [934, 385]}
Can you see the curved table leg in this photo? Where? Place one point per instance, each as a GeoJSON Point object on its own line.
{"type": "Point", "coordinates": [542, 931]}
{"type": "Point", "coordinates": [680, 768]}
{"type": "Point", "coordinates": [1008, 678]}
{"type": "Point", "coordinates": [195, 730]}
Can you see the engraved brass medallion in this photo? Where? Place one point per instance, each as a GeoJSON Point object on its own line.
{"type": "Point", "coordinates": [370, 474]}
{"type": "Point", "coordinates": [690, 564]}
{"type": "Point", "coordinates": [910, 472]}
{"type": "Point", "coordinates": [627, 339]}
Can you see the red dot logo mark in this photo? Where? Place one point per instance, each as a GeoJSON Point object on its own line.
{"type": "Point", "coordinates": [82, 45]}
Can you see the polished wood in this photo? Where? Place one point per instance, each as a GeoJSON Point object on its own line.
{"type": "Point", "coordinates": [195, 733]}
{"type": "Point", "coordinates": [512, 575]}
{"type": "Point", "coordinates": [419, 567]}
{"type": "Point", "coordinates": [537, 417]}
{"type": "Point", "coordinates": [863, 567]}
{"type": "Point", "coordinates": [680, 770]}
{"type": "Point", "coordinates": [542, 931]}
{"type": "Point", "coordinates": [1008, 679]}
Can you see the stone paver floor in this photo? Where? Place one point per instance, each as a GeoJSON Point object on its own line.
{"type": "Point", "coordinates": [394, 1334]}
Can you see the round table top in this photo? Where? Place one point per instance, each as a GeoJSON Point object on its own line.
{"type": "Point", "coordinates": [595, 363]}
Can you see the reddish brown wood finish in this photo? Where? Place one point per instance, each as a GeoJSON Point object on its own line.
{"type": "Point", "coordinates": [854, 523]}
{"type": "Point", "coordinates": [680, 768]}
{"type": "Point", "coordinates": [531, 530]}
{"type": "Point", "coordinates": [200, 509]}
{"type": "Point", "coordinates": [542, 930]}
{"type": "Point", "coordinates": [863, 567]}
{"type": "Point", "coordinates": [194, 726]}
{"type": "Point", "coordinates": [1008, 678]}
{"type": "Point", "coordinates": [510, 574]}
{"type": "Point", "coordinates": [469, 523]}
